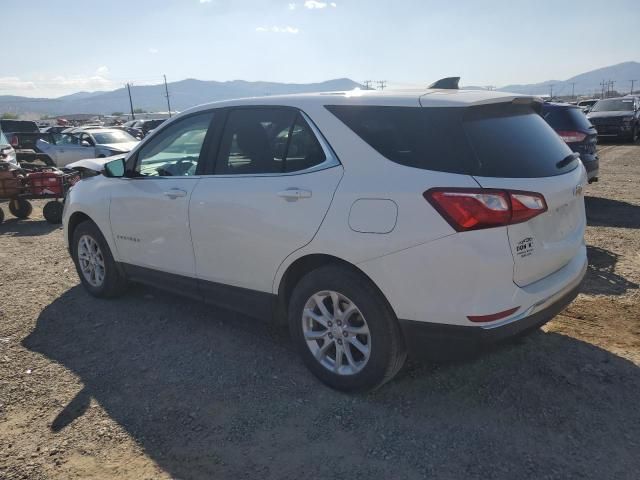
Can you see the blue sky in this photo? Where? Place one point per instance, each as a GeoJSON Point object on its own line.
{"type": "Point", "coordinates": [98, 45]}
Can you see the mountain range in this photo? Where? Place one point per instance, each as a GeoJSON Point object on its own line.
{"type": "Point", "coordinates": [182, 94]}
{"type": "Point", "coordinates": [190, 92]}
{"type": "Point", "coordinates": [587, 83]}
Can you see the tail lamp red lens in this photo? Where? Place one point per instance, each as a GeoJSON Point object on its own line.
{"type": "Point", "coordinates": [570, 136]}
{"type": "Point", "coordinates": [477, 208]}
{"type": "Point", "coordinates": [14, 141]}
{"type": "Point", "coordinates": [493, 316]}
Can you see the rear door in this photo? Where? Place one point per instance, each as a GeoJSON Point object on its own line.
{"type": "Point", "coordinates": [517, 150]}
{"type": "Point", "coordinates": [266, 197]}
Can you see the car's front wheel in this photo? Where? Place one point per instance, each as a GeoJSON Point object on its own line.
{"type": "Point", "coordinates": [96, 267]}
{"type": "Point", "coordinates": [344, 329]}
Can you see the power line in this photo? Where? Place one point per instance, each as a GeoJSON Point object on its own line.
{"type": "Point", "coordinates": [381, 84]}
{"type": "Point", "coordinates": [367, 84]}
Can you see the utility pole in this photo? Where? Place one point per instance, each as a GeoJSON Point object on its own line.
{"type": "Point", "coordinates": [551, 91]}
{"type": "Point", "coordinates": [573, 90]}
{"type": "Point", "coordinates": [382, 84]}
{"type": "Point", "coordinates": [632, 82]}
{"type": "Point", "coordinates": [133, 116]}
{"type": "Point", "coordinates": [166, 94]}
{"type": "Point", "coordinates": [367, 84]}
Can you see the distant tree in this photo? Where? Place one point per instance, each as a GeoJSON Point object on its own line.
{"type": "Point", "coordinates": [117, 114]}
{"type": "Point", "coordinates": [9, 116]}
{"type": "Point", "coordinates": [139, 110]}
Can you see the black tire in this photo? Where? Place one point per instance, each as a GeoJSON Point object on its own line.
{"type": "Point", "coordinates": [115, 282]}
{"type": "Point", "coordinates": [52, 212]}
{"type": "Point", "coordinates": [20, 208]}
{"type": "Point", "coordinates": [1, 215]}
{"type": "Point", "coordinates": [634, 135]}
{"type": "Point", "coordinates": [387, 347]}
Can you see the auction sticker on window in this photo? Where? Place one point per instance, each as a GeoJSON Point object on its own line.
{"type": "Point", "coordinates": [525, 248]}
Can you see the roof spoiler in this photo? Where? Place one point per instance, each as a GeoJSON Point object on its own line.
{"type": "Point", "coordinates": [448, 83]}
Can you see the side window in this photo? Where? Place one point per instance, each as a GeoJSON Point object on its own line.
{"type": "Point", "coordinates": [304, 150]}
{"type": "Point", "coordinates": [85, 137]}
{"type": "Point", "coordinates": [176, 150]}
{"type": "Point", "coordinates": [267, 140]}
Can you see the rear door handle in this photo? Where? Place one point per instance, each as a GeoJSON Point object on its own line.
{"type": "Point", "coordinates": [293, 194]}
{"type": "Point", "coordinates": [175, 193]}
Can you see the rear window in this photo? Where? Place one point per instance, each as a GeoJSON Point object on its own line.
{"type": "Point", "coordinates": [566, 118]}
{"type": "Point", "coordinates": [17, 126]}
{"type": "Point", "coordinates": [502, 140]}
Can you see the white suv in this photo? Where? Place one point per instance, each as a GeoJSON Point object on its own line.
{"type": "Point", "coordinates": [376, 224]}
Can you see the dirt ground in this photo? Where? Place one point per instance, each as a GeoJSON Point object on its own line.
{"type": "Point", "coordinates": [155, 386]}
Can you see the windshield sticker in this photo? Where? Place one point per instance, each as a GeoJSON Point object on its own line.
{"type": "Point", "coordinates": [524, 248]}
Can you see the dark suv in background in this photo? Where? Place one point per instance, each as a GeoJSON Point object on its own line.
{"type": "Point", "coordinates": [577, 131]}
{"type": "Point", "coordinates": [617, 117]}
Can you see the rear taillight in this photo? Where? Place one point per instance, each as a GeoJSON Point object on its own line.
{"type": "Point", "coordinates": [14, 141]}
{"type": "Point", "coordinates": [476, 208]}
{"type": "Point", "coordinates": [570, 136]}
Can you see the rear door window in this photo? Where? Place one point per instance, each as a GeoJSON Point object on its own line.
{"type": "Point", "coordinates": [568, 118]}
{"type": "Point", "coordinates": [267, 140]}
{"type": "Point", "coordinates": [503, 140]}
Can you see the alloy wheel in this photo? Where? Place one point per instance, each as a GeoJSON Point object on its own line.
{"type": "Point", "coordinates": [91, 261]}
{"type": "Point", "coordinates": [336, 332]}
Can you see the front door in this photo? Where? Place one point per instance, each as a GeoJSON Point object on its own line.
{"type": "Point", "coordinates": [150, 207]}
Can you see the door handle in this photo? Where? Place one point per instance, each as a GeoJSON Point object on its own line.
{"type": "Point", "coordinates": [293, 194]}
{"type": "Point", "coordinates": [174, 193]}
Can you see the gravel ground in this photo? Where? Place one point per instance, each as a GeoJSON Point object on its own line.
{"type": "Point", "coordinates": [154, 386]}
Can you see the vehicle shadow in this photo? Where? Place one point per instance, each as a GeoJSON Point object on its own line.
{"type": "Point", "coordinates": [601, 278]}
{"type": "Point", "coordinates": [26, 228]}
{"type": "Point", "coordinates": [211, 394]}
{"type": "Point", "coordinates": [605, 212]}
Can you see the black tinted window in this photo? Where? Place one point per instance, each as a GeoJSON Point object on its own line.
{"type": "Point", "coordinates": [566, 118]}
{"type": "Point", "coordinates": [503, 141]}
{"type": "Point", "coordinates": [267, 140]}
{"type": "Point", "coordinates": [428, 138]}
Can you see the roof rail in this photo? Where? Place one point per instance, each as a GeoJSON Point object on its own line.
{"type": "Point", "coordinates": [448, 83]}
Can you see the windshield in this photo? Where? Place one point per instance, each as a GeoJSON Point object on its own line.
{"type": "Point", "coordinates": [115, 136]}
{"type": "Point", "coordinates": [614, 105]}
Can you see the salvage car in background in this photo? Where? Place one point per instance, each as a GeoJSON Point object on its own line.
{"type": "Point", "coordinates": [577, 131]}
{"type": "Point", "coordinates": [7, 153]}
{"type": "Point", "coordinates": [617, 117]}
{"type": "Point", "coordinates": [87, 143]}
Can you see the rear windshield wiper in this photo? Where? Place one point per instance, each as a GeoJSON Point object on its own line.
{"type": "Point", "coordinates": [567, 160]}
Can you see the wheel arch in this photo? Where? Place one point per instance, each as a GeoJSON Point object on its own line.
{"type": "Point", "coordinates": [303, 265]}
{"type": "Point", "coordinates": [75, 219]}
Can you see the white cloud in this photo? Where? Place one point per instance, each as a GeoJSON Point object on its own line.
{"type": "Point", "coordinates": [315, 4]}
{"type": "Point", "coordinates": [15, 85]}
{"type": "Point", "coordinates": [276, 29]}
{"type": "Point", "coordinates": [153, 51]}
{"type": "Point", "coordinates": [293, 6]}
{"type": "Point", "coordinates": [205, 1]}
{"type": "Point", "coordinates": [102, 71]}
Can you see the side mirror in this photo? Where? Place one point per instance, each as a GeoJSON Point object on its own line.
{"type": "Point", "coordinates": [114, 168]}
{"type": "Point", "coordinates": [85, 143]}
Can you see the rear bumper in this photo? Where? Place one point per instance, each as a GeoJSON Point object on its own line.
{"type": "Point", "coordinates": [436, 341]}
{"type": "Point", "coordinates": [615, 131]}
{"type": "Point", "coordinates": [591, 164]}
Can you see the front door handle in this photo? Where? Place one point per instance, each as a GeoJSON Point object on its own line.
{"type": "Point", "coordinates": [174, 193]}
{"type": "Point", "coordinates": [293, 194]}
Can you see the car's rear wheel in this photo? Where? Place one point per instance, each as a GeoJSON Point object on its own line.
{"type": "Point", "coordinates": [344, 329]}
{"type": "Point", "coordinates": [96, 267]}
{"type": "Point", "coordinates": [634, 135]}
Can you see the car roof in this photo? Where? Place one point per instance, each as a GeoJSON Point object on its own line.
{"type": "Point", "coordinates": [406, 98]}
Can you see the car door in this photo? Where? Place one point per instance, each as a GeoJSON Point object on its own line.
{"type": "Point", "coordinates": [150, 207]}
{"type": "Point", "coordinates": [69, 148]}
{"type": "Point", "coordinates": [266, 197]}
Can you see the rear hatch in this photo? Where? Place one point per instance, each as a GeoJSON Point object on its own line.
{"type": "Point", "coordinates": [517, 150]}
{"type": "Point", "coordinates": [574, 127]}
